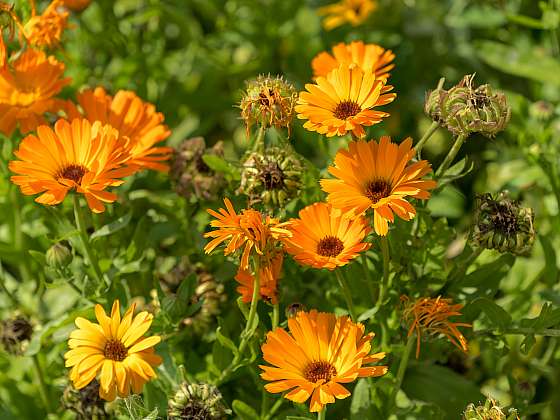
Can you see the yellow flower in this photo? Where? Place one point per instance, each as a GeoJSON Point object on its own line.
{"type": "Point", "coordinates": [251, 230]}
{"type": "Point", "coordinates": [27, 91]}
{"type": "Point", "coordinates": [114, 348]}
{"type": "Point", "coordinates": [46, 30]}
{"type": "Point", "coordinates": [320, 352]}
{"type": "Point", "coordinates": [343, 102]}
{"type": "Point", "coordinates": [368, 57]}
{"type": "Point", "coordinates": [431, 316]}
{"type": "Point", "coordinates": [378, 176]}
{"type": "Point", "coordinates": [354, 12]}
{"type": "Point", "coordinates": [323, 238]}
{"type": "Point", "coordinates": [74, 156]}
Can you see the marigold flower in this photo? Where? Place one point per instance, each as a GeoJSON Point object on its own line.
{"type": "Point", "coordinates": [27, 91]}
{"type": "Point", "coordinates": [323, 237]}
{"type": "Point", "coordinates": [134, 118]}
{"type": "Point", "coordinates": [251, 230]}
{"type": "Point", "coordinates": [46, 30]}
{"type": "Point", "coordinates": [114, 348]}
{"type": "Point", "coordinates": [76, 5]}
{"type": "Point", "coordinates": [375, 175]}
{"type": "Point", "coordinates": [319, 353]}
{"type": "Point", "coordinates": [431, 316]}
{"type": "Point", "coordinates": [354, 12]}
{"type": "Point", "coordinates": [368, 57]}
{"type": "Point", "coordinates": [343, 101]}
{"type": "Point", "coordinates": [269, 273]}
{"type": "Point", "coordinates": [75, 156]}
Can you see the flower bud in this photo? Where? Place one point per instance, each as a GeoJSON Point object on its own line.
{"type": "Point", "coordinates": [489, 411]}
{"type": "Point", "coordinates": [272, 178]}
{"type": "Point", "coordinates": [190, 174]}
{"type": "Point", "coordinates": [197, 401]}
{"type": "Point", "coordinates": [541, 110]}
{"type": "Point", "coordinates": [86, 402]}
{"type": "Point", "coordinates": [15, 334]}
{"type": "Point", "coordinates": [58, 256]}
{"type": "Point", "coordinates": [464, 109]}
{"type": "Point", "coordinates": [502, 224]}
{"type": "Point", "coordinates": [269, 102]}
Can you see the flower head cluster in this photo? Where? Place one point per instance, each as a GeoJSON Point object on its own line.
{"type": "Point", "coordinates": [431, 316]}
{"type": "Point", "coordinates": [318, 354]}
{"type": "Point", "coordinates": [116, 349]}
{"type": "Point", "coordinates": [86, 402]}
{"type": "Point", "coordinates": [354, 12]}
{"type": "Point", "coordinates": [503, 224]}
{"type": "Point", "coordinates": [197, 401]}
{"type": "Point", "coordinates": [490, 410]}
{"type": "Point", "coordinates": [269, 102]}
{"type": "Point", "coordinates": [15, 334]}
{"type": "Point", "coordinates": [378, 175]}
{"type": "Point", "coordinates": [464, 109]}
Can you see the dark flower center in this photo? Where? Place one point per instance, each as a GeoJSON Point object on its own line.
{"type": "Point", "coordinates": [115, 350]}
{"type": "Point", "coordinates": [201, 166]}
{"type": "Point", "coordinates": [316, 371]}
{"type": "Point", "coordinates": [504, 218]}
{"type": "Point", "coordinates": [272, 176]}
{"type": "Point", "coordinates": [330, 246]}
{"type": "Point", "coordinates": [73, 171]}
{"type": "Point", "coordinates": [196, 410]}
{"type": "Point", "coordinates": [378, 189]}
{"type": "Point", "coordinates": [265, 99]}
{"type": "Point", "coordinates": [346, 109]}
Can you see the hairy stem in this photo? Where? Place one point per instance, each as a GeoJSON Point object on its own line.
{"type": "Point", "coordinates": [451, 155]}
{"type": "Point", "coordinates": [343, 283]}
{"type": "Point", "coordinates": [431, 130]}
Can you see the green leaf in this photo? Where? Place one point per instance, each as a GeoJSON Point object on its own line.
{"type": "Point", "coordinates": [244, 411]}
{"type": "Point", "coordinates": [441, 386]}
{"type": "Point", "coordinates": [550, 266]}
{"type": "Point", "coordinates": [112, 227]}
{"type": "Point", "coordinates": [495, 313]}
{"type": "Point", "coordinates": [361, 401]}
{"type": "Point", "coordinates": [38, 256]}
{"type": "Point", "coordinates": [532, 64]}
{"type": "Point", "coordinates": [487, 278]}
{"type": "Point", "coordinates": [227, 342]}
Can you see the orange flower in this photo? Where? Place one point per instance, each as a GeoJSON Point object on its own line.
{"type": "Point", "coordinates": [76, 5]}
{"type": "Point", "coordinates": [323, 238]}
{"type": "Point", "coordinates": [27, 91]}
{"type": "Point", "coordinates": [354, 12]}
{"type": "Point", "coordinates": [269, 273]}
{"type": "Point", "coordinates": [375, 175]}
{"type": "Point", "coordinates": [369, 57]}
{"type": "Point", "coordinates": [46, 30]}
{"type": "Point", "coordinates": [250, 230]}
{"type": "Point", "coordinates": [343, 102]}
{"type": "Point", "coordinates": [75, 156]}
{"type": "Point", "coordinates": [320, 352]}
{"type": "Point", "coordinates": [134, 118]}
{"type": "Point", "coordinates": [431, 316]}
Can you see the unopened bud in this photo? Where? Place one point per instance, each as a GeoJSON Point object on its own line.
{"type": "Point", "coordinates": [58, 256]}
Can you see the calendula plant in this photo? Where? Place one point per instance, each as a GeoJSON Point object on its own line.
{"type": "Point", "coordinates": [279, 210]}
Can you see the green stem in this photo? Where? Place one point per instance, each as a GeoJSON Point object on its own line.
{"type": "Point", "coordinates": [5, 289]}
{"type": "Point", "coordinates": [19, 240]}
{"type": "Point", "coordinates": [90, 255]}
{"type": "Point", "coordinates": [431, 130]}
{"type": "Point", "coordinates": [275, 316]}
{"type": "Point", "coordinates": [451, 155]}
{"type": "Point", "coordinates": [322, 415]}
{"type": "Point", "coordinates": [402, 370]}
{"type": "Point", "coordinates": [346, 291]}
{"type": "Point", "coordinates": [367, 276]}
{"type": "Point", "coordinates": [258, 146]}
{"type": "Point", "coordinates": [274, 408]}
{"type": "Point", "coordinates": [42, 385]}
{"type": "Point", "coordinates": [384, 242]}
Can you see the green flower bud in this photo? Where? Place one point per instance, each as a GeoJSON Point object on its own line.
{"type": "Point", "coordinates": [15, 334]}
{"type": "Point", "coordinates": [197, 401]}
{"type": "Point", "coordinates": [464, 109]}
{"type": "Point", "coordinates": [86, 402]}
{"type": "Point", "coordinates": [502, 224]}
{"type": "Point", "coordinates": [263, 178]}
{"type": "Point", "coordinates": [58, 256]}
{"type": "Point", "coordinates": [269, 102]}
{"type": "Point", "coordinates": [541, 110]}
{"type": "Point", "coordinates": [191, 177]}
{"type": "Point", "coordinates": [490, 410]}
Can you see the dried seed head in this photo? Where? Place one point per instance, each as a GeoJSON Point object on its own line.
{"type": "Point", "coordinates": [86, 402]}
{"type": "Point", "coordinates": [268, 101]}
{"type": "Point", "coordinates": [192, 178]}
{"type": "Point", "coordinates": [490, 410]}
{"type": "Point", "coordinates": [197, 401]}
{"type": "Point", "coordinates": [272, 178]}
{"type": "Point", "coordinates": [502, 224]}
{"type": "Point", "coordinates": [15, 334]}
{"type": "Point", "coordinates": [464, 109]}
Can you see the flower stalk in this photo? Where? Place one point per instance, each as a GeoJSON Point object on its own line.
{"type": "Point", "coordinates": [451, 155]}
{"type": "Point", "coordinates": [401, 370]}
{"type": "Point", "coordinates": [343, 283]}
{"type": "Point", "coordinates": [42, 385]}
{"type": "Point", "coordinates": [322, 415]}
{"type": "Point", "coordinates": [385, 280]}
